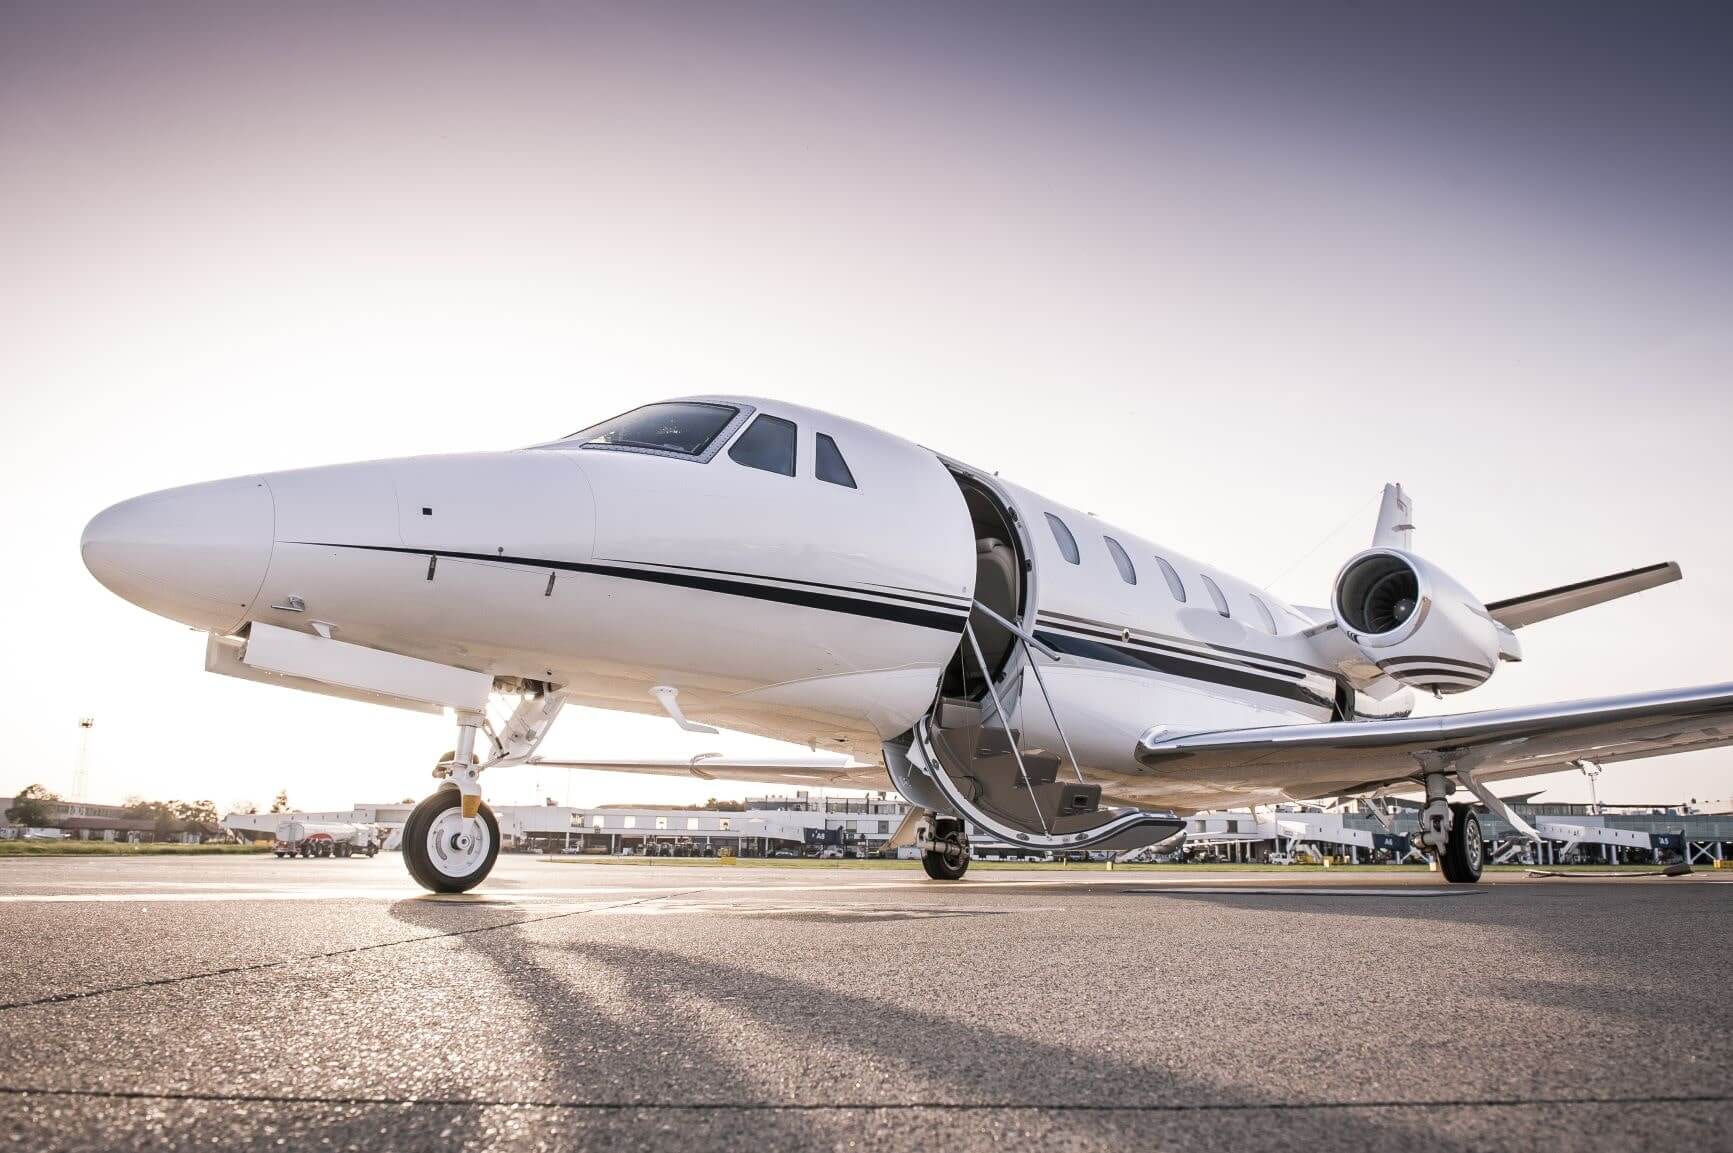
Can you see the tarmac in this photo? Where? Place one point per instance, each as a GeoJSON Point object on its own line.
{"type": "Point", "coordinates": [240, 1003]}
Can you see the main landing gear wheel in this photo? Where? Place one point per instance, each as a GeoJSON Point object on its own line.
{"type": "Point", "coordinates": [445, 852]}
{"type": "Point", "coordinates": [1466, 854]}
{"type": "Point", "coordinates": [948, 860]}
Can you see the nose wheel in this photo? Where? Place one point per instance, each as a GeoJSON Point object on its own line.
{"type": "Point", "coordinates": [446, 851]}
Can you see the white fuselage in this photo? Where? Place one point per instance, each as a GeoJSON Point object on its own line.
{"type": "Point", "coordinates": [781, 605]}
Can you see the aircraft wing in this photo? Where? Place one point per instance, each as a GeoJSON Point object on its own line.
{"type": "Point", "coordinates": [831, 771]}
{"type": "Point", "coordinates": [1356, 756]}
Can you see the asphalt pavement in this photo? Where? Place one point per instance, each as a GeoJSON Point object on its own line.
{"type": "Point", "coordinates": [237, 1003]}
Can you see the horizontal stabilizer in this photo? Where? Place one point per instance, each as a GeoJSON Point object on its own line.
{"type": "Point", "coordinates": [1526, 610]}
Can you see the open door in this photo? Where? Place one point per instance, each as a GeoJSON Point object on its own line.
{"type": "Point", "coordinates": [971, 749]}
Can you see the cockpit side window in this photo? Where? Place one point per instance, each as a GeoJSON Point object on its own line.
{"type": "Point", "coordinates": [768, 444]}
{"type": "Point", "coordinates": [1063, 538]}
{"type": "Point", "coordinates": [828, 464]}
{"type": "Point", "coordinates": [690, 429]}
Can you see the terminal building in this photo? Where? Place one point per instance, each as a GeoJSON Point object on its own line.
{"type": "Point", "coordinates": [764, 826]}
{"type": "Point", "coordinates": [759, 827]}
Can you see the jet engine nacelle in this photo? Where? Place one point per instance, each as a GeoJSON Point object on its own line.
{"type": "Point", "coordinates": [1416, 623]}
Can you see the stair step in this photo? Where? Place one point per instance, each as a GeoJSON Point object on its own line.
{"type": "Point", "coordinates": [956, 714]}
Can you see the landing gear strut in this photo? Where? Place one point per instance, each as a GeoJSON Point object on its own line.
{"type": "Point", "coordinates": [945, 851]}
{"type": "Point", "coordinates": [451, 839]}
{"type": "Point", "coordinates": [1451, 833]}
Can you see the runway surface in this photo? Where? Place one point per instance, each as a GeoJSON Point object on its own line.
{"type": "Point", "coordinates": [249, 1003]}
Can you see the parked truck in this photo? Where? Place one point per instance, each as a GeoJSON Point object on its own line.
{"type": "Point", "coordinates": [320, 839]}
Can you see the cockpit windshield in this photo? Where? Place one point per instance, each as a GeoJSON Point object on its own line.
{"type": "Point", "coordinates": [681, 428]}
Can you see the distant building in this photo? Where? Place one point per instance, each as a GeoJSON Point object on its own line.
{"type": "Point", "coordinates": [87, 821]}
{"type": "Point", "coordinates": [765, 825]}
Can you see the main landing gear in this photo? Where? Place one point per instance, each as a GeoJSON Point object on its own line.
{"type": "Point", "coordinates": [1451, 833]}
{"type": "Point", "coordinates": [945, 850]}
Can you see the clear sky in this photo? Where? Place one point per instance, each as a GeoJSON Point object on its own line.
{"type": "Point", "coordinates": [1213, 271]}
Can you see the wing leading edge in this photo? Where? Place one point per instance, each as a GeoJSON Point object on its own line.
{"type": "Point", "coordinates": [710, 767]}
{"type": "Point", "coordinates": [1354, 756]}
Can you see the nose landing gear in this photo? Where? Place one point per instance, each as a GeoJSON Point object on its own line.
{"type": "Point", "coordinates": [446, 851]}
{"type": "Point", "coordinates": [451, 839]}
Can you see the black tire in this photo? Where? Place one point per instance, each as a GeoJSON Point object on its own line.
{"type": "Point", "coordinates": [1466, 855]}
{"type": "Point", "coordinates": [418, 853]}
{"type": "Point", "coordinates": [950, 862]}
{"type": "Point", "coordinates": [371, 849]}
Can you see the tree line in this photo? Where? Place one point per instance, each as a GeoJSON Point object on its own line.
{"type": "Point", "coordinates": [33, 807]}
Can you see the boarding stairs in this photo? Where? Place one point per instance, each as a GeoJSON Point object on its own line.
{"type": "Point", "coordinates": [975, 755]}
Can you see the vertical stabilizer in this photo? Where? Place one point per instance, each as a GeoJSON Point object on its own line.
{"type": "Point", "coordinates": [1395, 520]}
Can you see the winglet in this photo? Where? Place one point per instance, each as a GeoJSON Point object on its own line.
{"type": "Point", "coordinates": [1395, 520]}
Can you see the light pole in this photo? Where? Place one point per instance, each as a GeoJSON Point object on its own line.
{"type": "Point", "coordinates": [81, 775]}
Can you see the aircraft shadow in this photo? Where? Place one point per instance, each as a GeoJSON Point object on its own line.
{"type": "Point", "coordinates": [664, 1032]}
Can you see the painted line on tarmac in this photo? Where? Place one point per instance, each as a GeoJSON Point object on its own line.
{"type": "Point", "coordinates": [1308, 891]}
{"type": "Point", "coordinates": [931, 1103]}
{"type": "Point", "coordinates": [533, 896]}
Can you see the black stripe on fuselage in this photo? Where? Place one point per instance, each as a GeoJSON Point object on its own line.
{"type": "Point", "coordinates": [1066, 620]}
{"type": "Point", "coordinates": [1115, 638]}
{"type": "Point", "coordinates": [906, 611]}
{"type": "Point", "coordinates": [1395, 663]}
{"type": "Point", "coordinates": [1420, 673]}
{"type": "Point", "coordinates": [912, 596]}
{"type": "Point", "coordinates": [1166, 661]}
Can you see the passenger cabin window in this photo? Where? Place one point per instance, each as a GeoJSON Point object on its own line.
{"type": "Point", "coordinates": [829, 466]}
{"type": "Point", "coordinates": [1127, 572]}
{"type": "Point", "coordinates": [681, 428]}
{"type": "Point", "coordinates": [1264, 615]}
{"type": "Point", "coordinates": [1063, 538]}
{"type": "Point", "coordinates": [767, 443]}
{"type": "Point", "coordinates": [1174, 584]}
{"type": "Point", "coordinates": [1215, 594]}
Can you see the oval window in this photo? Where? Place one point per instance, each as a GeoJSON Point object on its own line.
{"type": "Point", "coordinates": [1127, 572]}
{"type": "Point", "coordinates": [1215, 595]}
{"type": "Point", "coordinates": [1264, 615]}
{"type": "Point", "coordinates": [1063, 538]}
{"type": "Point", "coordinates": [1174, 584]}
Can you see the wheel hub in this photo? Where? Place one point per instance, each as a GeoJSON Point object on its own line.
{"type": "Point", "coordinates": [457, 845]}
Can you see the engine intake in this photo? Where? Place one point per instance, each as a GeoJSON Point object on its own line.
{"type": "Point", "coordinates": [1378, 593]}
{"type": "Point", "coordinates": [1416, 624]}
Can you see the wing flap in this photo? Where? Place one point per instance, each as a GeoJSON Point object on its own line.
{"type": "Point", "coordinates": [1527, 610]}
{"type": "Point", "coordinates": [1347, 756]}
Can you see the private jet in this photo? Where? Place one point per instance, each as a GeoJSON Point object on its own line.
{"type": "Point", "coordinates": [1002, 661]}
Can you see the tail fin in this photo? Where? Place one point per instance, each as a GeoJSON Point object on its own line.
{"type": "Point", "coordinates": [1395, 520]}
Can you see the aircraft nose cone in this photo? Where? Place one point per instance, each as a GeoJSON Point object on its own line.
{"type": "Point", "coordinates": [196, 554]}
